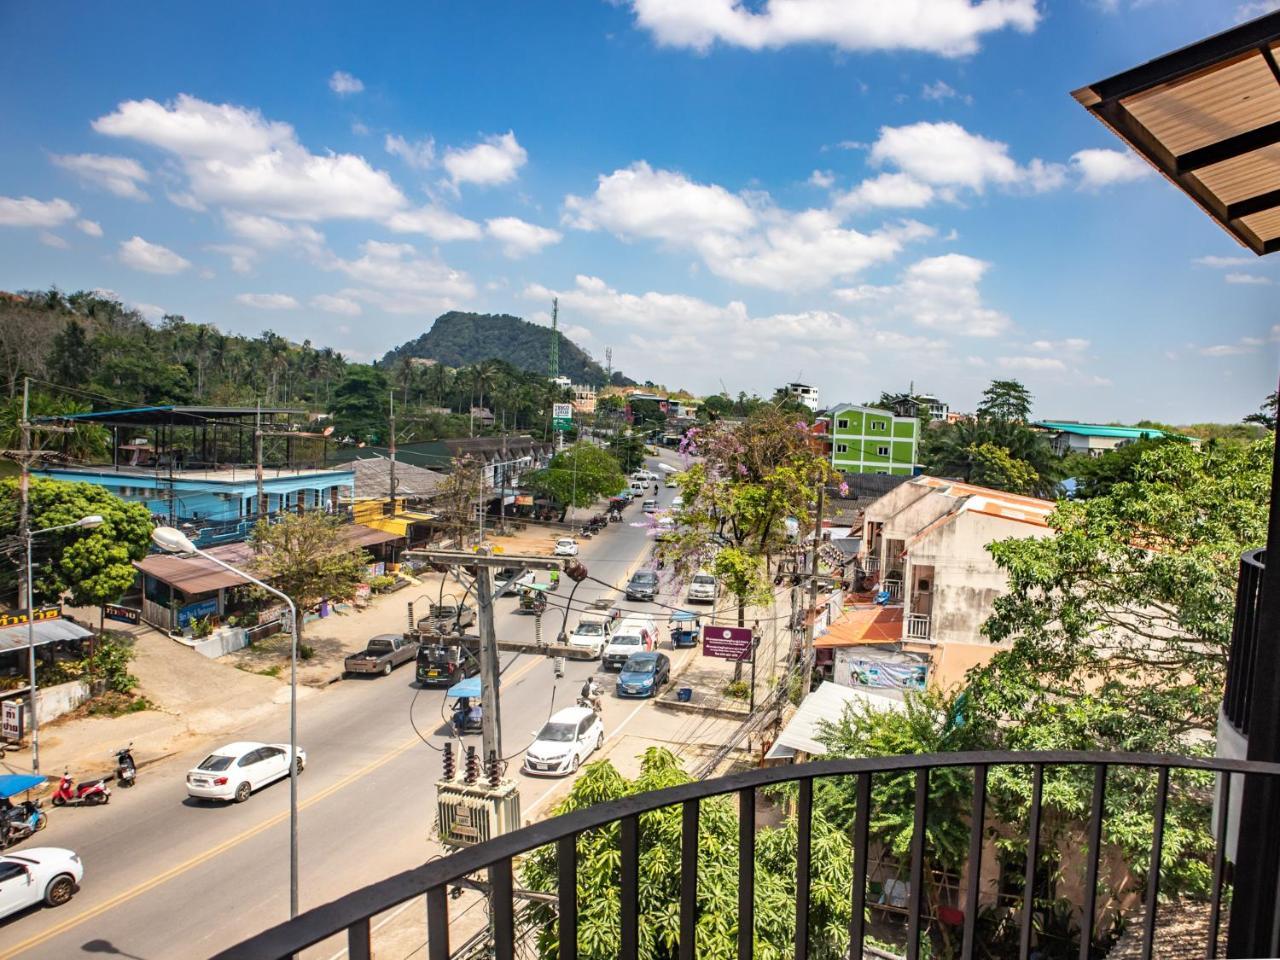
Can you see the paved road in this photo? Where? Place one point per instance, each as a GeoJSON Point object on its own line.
{"type": "Point", "coordinates": [168, 877]}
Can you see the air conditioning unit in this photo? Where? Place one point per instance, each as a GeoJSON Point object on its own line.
{"type": "Point", "coordinates": [467, 814]}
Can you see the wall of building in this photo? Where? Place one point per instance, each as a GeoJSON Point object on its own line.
{"type": "Point", "coordinates": [866, 440]}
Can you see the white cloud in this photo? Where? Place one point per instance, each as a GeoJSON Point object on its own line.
{"type": "Point", "coordinates": [341, 305]}
{"type": "Point", "coordinates": [53, 240]}
{"type": "Point", "coordinates": [1039, 364]}
{"type": "Point", "coordinates": [951, 28]}
{"type": "Point", "coordinates": [1068, 345]}
{"type": "Point", "coordinates": [519, 238]}
{"type": "Point", "coordinates": [186, 200]}
{"type": "Point", "coordinates": [419, 155]}
{"type": "Point", "coordinates": [89, 228]}
{"type": "Point", "coordinates": [1227, 349]}
{"type": "Point", "coordinates": [242, 258]}
{"type": "Point", "coordinates": [151, 257]}
{"type": "Point", "coordinates": [1247, 278]}
{"type": "Point", "coordinates": [938, 90]}
{"type": "Point", "coordinates": [887, 190]}
{"type": "Point", "coordinates": [30, 212]}
{"type": "Point", "coordinates": [1255, 8]}
{"type": "Point", "coordinates": [118, 175]}
{"type": "Point", "coordinates": [394, 277]}
{"type": "Point", "coordinates": [267, 301]}
{"type": "Point", "coordinates": [435, 222]}
{"type": "Point", "coordinates": [343, 83]}
{"type": "Point", "coordinates": [823, 179]}
{"type": "Point", "coordinates": [150, 310]}
{"type": "Point", "coordinates": [271, 234]}
{"type": "Point", "coordinates": [947, 155]}
{"type": "Point", "coordinates": [940, 293]}
{"type": "Point", "coordinates": [234, 156]}
{"type": "Point", "coordinates": [497, 160]}
{"type": "Point", "coordinates": [1102, 168]}
{"type": "Point", "coordinates": [1212, 261]}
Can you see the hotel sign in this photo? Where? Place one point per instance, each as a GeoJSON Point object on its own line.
{"type": "Point", "coordinates": [19, 617]}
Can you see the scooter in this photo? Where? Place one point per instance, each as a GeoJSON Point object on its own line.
{"type": "Point", "coordinates": [87, 793]}
{"type": "Point", "coordinates": [126, 769]}
{"type": "Point", "coordinates": [21, 822]}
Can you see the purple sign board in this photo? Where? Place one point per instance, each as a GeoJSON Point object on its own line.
{"type": "Point", "coordinates": [727, 643]}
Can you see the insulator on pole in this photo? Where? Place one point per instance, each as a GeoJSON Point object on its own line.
{"type": "Point", "coordinates": [449, 768]}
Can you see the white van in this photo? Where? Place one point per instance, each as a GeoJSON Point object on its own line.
{"type": "Point", "coordinates": [638, 486]}
{"type": "Point", "coordinates": [632, 635]}
{"type": "Point", "coordinates": [592, 633]}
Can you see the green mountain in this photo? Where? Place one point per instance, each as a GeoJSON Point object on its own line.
{"type": "Point", "coordinates": [459, 339]}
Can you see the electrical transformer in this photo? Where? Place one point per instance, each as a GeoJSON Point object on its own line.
{"type": "Point", "coordinates": [471, 813]}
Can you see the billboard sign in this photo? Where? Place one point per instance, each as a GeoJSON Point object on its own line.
{"type": "Point", "coordinates": [116, 611]}
{"type": "Point", "coordinates": [562, 416]}
{"type": "Point", "coordinates": [727, 643]}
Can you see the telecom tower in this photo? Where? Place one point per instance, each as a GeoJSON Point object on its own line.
{"type": "Point", "coordinates": [608, 365]}
{"type": "Point", "coordinates": [555, 337]}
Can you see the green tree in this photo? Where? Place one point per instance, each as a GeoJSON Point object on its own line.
{"type": "Point", "coordinates": [1266, 415]}
{"type": "Point", "coordinates": [716, 925]}
{"type": "Point", "coordinates": [93, 566]}
{"type": "Point", "coordinates": [86, 441]}
{"type": "Point", "coordinates": [578, 476]}
{"type": "Point", "coordinates": [307, 557]}
{"type": "Point", "coordinates": [1095, 476]}
{"type": "Point", "coordinates": [1006, 400]}
{"type": "Point", "coordinates": [360, 404]}
{"type": "Point", "coordinates": [959, 450]}
{"type": "Point", "coordinates": [628, 449]}
{"type": "Point", "coordinates": [993, 466]}
{"type": "Point", "coordinates": [72, 358]}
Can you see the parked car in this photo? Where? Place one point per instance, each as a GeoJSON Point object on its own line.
{"type": "Point", "coordinates": [383, 654]}
{"type": "Point", "coordinates": [677, 503]}
{"type": "Point", "coordinates": [592, 633]}
{"type": "Point", "coordinates": [639, 486]}
{"type": "Point", "coordinates": [703, 588]}
{"type": "Point", "coordinates": [448, 618]}
{"type": "Point", "coordinates": [671, 481]}
{"type": "Point", "coordinates": [49, 875]}
{"type": "Point", "coordinates": [649, 506]}
{"type": "Point", "coordinates": [566, 547]}
{"type": "Point", "coordinates": [644, 674]}
{"type": "Point", "coordinates": [564, 742]}
{"type": "Point", "coordinates": [643, 585]}
{"type": "Point", "coordinates": [632, 635]}
{"type": "Point", "coordinates": [233, 772]}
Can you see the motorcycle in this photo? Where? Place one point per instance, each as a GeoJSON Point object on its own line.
{"type": "Point", "coordinates": [126, 769]}
{"type": "Point", "coordinates": [86, 793]}
{"type": "Point", "coordinates": [21, 822]}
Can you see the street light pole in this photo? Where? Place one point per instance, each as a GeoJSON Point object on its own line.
{"type": "Point", "coordinates": [93, 520]}
{"type": "Point", "coordinates": [173, 540]}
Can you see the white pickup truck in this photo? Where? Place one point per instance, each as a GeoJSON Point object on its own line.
{"type": "Point", "coordinates": [593, 633]}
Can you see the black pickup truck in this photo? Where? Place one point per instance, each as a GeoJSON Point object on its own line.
{"type": "Point", "coordinates": [384, 653]}
{"type": "Point", "coordinates": [444, 664]}
{"type": "Point", "coordinates": [447, 618]}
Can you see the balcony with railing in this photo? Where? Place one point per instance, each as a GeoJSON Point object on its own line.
{"type": "Point", "coordinates": [1246, 635]}
{"type": "Point", "coordinates": [917, 626]}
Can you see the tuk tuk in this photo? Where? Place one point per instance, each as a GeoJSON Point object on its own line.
{"type": "Point", "coordinates": [465, 716]}
{"type": "Point", "coordinates": [533, 598]}
{"type": "Point", "coordinates": [685, 627]}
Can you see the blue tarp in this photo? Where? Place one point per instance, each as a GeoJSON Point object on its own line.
{"type": "Point", "coordinates": [683, 616]}
{"type": "Point", "coordinates": [469, 687]}
{"type": "Point", "coordinates": [12, 784]}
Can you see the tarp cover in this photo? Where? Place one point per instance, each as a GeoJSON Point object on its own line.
{"type": "Point", "coordinates": [12, 784]}
{"type": "Point", "coordinates": [469, 687]}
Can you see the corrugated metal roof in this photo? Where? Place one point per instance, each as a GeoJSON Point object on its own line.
{"type": "Point", "coordinates": [826, 703]}
{"type": "Point", "coordinates": [45, 631]}
{"type": "Point", "coordinates": [1099, 429]}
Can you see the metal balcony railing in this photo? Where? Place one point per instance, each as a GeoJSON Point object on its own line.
{"type": "Point", "coordinates": [1246, 634]}
{"type": "Point", "coordinates": [917, 626]}
{"type": "Point", "coordinates": [351, 915]}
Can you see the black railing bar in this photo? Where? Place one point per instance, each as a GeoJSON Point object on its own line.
{"type": "Point", "coordinates": [629, 889]}
{"type": "Point", "coordinates": [977, 823]}
{"type": "Point", "coordinates": [689, 879]}
{"type": "Point", "coordinates": [1153, 870]}
{"type": "Point", "coordinates": [437, 924]}
{"type": "Point", "coordinates": [323, 921]}
{"type": "Point", "coordinates": [804, 834]}
{"type": "Point", "coordinates": [358, 947]}
{"type": "Point", "coordinates": [1033, 856]}
{"type": "Point", "coordinates": [567, 890]}
{"type": "Point", "coordinates": [1088, 909]}
{"type": "Point", "coordinates": [861, 823]}
{"type": "Point", "coordinates": [1219, 859]}
{"type": "Point", "coordinates": [502, 908]}
{"type": "Point", "coordinates": [915, 902]}
{"type": "Point", "coordinates": [746, 874]}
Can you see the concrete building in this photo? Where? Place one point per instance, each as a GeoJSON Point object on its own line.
{"type": "Point", "coordinates": [803, 393]}
{"type": "Point", "coordinates": [870, 440]}
{"type": "Point", "coordinates": [584, 398]}
{"type": "Point", "coordinates": [1095, 439]}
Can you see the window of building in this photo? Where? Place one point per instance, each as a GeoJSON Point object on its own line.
{"type": "Point", "coordinates": [842, 424]}
{"type": "Point", "coordinates": [882, 473]}
{"type": "Point", "coordinates": [882, 451]}
{"type": "Point", "coordinates": [879, 425]}
{"type": "Point", "coordinates": [842, 448]}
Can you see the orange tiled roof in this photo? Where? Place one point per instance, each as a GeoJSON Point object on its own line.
{"type": "Point", "coordinates": [874, 624]}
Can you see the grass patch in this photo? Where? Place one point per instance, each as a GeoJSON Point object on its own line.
{"type": "Point", "coordinates": [113, 704]}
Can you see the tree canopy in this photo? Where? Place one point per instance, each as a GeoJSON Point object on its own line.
{"type": "Point", "coordinates": [1266, 415]}
{"type": "Point", "coordinates": [1006, 400]}
{"type": "Point", "coordinates": [578, 476]}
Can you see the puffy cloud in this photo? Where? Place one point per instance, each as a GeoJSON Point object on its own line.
{"type": "Point", "coordinates": [30, 212]}
{"type": "Point", "coordinates": [234, 156]}
{"type": "Point", "coordinates": [822, 178]}
{"type": "Point", "coordinates": [1212, 261]}
{"type": "Point", "coordinates": [938, 90]}
{"type": "Point", "coordinates": [394, 277]}
{"type": "Point", "coordinates": [340, 305]}
{"type": "Point", "coordinates": [53, 240]}
{"type": "Point", "coordinates": [951, 28]}
{"type": "Point", "coordinates": [1036, 364]}
{"type": "Point", "coordinates": [151, 257]}
{"type": "Point", "coordinates": [947, 155]}
{"type": "Point", "coordinates": [267, 301]}
{"type": "Point", "coordinates": [344, 84]}
{"type": "Point", "coordinates": [271, 234]}
{"type": "Point", "coordinates": [519, 238]}
{"type": "Point", "coordinates": [186, 201]}
{"type": "Point", "coordinates": [941, 293]}
{"type": "Point", "coordinates": [496, 160]}
{"type": "Point", "coordinates": [241, 257]}
{"type": "Point", "coordinates": [435, 222]}
{"type": "Point", "coordinates": [119, 175]}
{"type": "Point", "coordinates": [1068, 345]}
{"type": "Point", "coordinates": [419, 155]}
{"type": "Point", "coordinates": [1101, 168]}
{"type": "Point", "coordinates": [639, 201]}
{"type": "Point", "coordinates": [89, 228]}
{"type": "Point", "coordinates": [1247, 278]}
{"type": "Point", "coordinates": [887, 190]}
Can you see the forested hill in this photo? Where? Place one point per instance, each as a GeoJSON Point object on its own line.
{"type": "Point", "coordinates": [459, 339]}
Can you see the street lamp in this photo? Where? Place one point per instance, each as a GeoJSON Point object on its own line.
{"type": "Point", "coordinates": [93, 520]}
{"type": "Point", "coordinates": [172, 540]}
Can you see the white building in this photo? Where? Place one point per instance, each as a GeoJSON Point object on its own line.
{"type": "Point", "coordinates": [804, 394]}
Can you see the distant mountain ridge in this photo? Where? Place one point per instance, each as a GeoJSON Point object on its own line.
{"type": "Point", "coordinates": [459, 339]}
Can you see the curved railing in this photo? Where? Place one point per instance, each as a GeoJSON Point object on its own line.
{"type": "Point", "coordinates": [352, 912]}
{"type": "Point", "coordinates": [1246, 632]}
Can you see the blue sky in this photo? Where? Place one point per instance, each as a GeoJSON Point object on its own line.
{"type": "Point", "coordinates": [856, 194]}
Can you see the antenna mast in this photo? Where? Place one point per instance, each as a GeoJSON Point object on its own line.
{"type": "Point", "coordinates": [608, 365]}
{"type": "Point", "coordinates": [555, 337]}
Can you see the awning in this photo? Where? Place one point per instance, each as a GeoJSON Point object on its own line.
{"type": "Point", "coordinates": [873, 624]}
{"type": "Point", "coordinates": [398, 526]}
{"type": "Point", "coordinates": [46, 631]}
{"type": "Point", "coordinates": [189, 574]}
{"type": "Point", "coordinates": [362, 535]}
{"type": "Point", "coordinates": [827, 703]}
{"type": "Point", "coordinates": [417, 517]}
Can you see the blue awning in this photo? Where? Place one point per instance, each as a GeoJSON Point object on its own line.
{"type": "Point", "coordinates": [683, 616]}
{"type": "Point", "coordinates": [12, 784]}
{"type": "Point", "coordinates": [469, 687]}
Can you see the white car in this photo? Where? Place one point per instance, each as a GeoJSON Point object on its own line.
{"type": "Point", "coordinates": [677, 503]}
{"type": "Point", "coordinates": [703, 588]}
{"type": "Point", "coordinates": [236, 770]}
{"type": "Point", "coordinates": [564, 742]}
{"type": "Point", "coordinates": [592, 633]}
{"type": "Point", "coordinates": [566, 547]}
{"type": "Point", "coordinates": [41, 874]}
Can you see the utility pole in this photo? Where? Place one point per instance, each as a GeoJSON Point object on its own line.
{"type": "Point", "coordinates": [491, 718]}
{"type": "Point", "coordinates": [555, 338]}
{"type": "Point", "coordinates": [392, 448]}
{"type": "Point", "coordinates": [24, 483]}
{"type": "Point", "coordinates": [502, 493]}
{"type": "Point", "coordinates": [257, 464]}
{"type": "Point", "coordinates": [813, 596]}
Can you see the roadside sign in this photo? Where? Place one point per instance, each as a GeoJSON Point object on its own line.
{"type": "Point", "coordinates": [12, 717]}
{"type": "Point", "coordinates": [727, 643]}
{"type": "Point", "coordinates": [20, 617]}
{"type": "Point", "coordinates": [116, 611]}
{"type": "Point", "coordinates": [562, 416]}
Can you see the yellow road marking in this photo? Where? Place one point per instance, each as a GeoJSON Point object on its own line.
{"type": "Point", "coordinates": [161, 878]}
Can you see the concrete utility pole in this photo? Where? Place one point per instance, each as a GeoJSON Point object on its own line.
{"type": "Point", "coordinates": [392, 449]}
{"type": "Point", "coordinates": [491, 717]}
{"type": "Point", "coordinates": [24, 483]}
{"type": "Point", "coordinates": [811, 619]}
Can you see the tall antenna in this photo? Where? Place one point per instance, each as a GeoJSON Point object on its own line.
{"type": "Point", "coordinates": [555, 337]}
{"type": "Point", "coordinates": [608, 365]}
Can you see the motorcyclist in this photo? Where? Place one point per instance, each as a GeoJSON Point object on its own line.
{"type": "Point", "coordinates": [460, 712]}
{"type": "Point", "coordinates": [591, 693]}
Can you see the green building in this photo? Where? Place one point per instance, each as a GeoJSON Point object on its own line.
{"type": "Point", "coordinates": [870, 440]}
